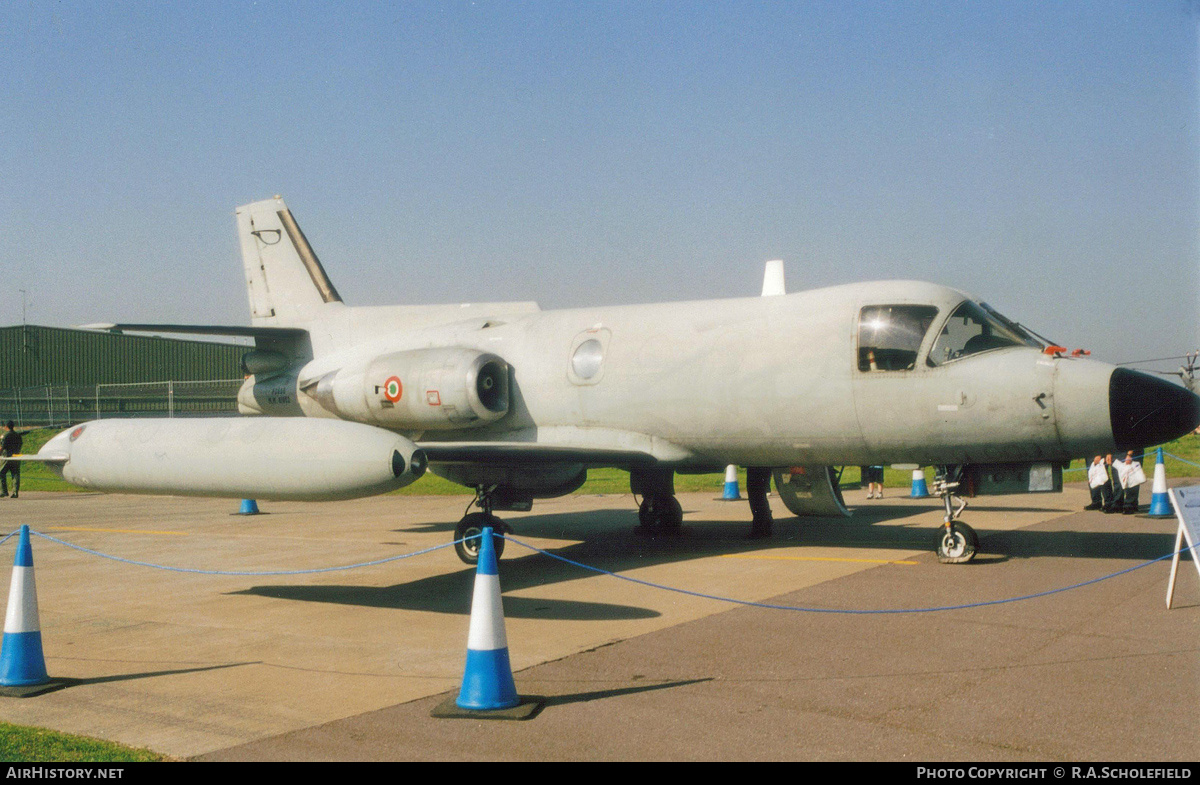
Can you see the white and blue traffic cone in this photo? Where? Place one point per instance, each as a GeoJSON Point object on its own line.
{"type": "Point", "coordinates": [488, 690]}
{"type": "Point", "coordinates": [487, 681]}
{"type": "Point", "coordinates": [731, 485]}
{"type": "Point", "coordinates": [919, 489]}
{"type": "Point", "coordinates": [1160, 502]}
{"type": "Point", "coordinates": [249, 507]}
{"type": "Point", "coordinates": [22, 663]}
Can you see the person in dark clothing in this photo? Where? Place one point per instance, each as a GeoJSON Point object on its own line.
{"type": "Point", "coordinates": [1113, 490]}
{"type": "Point", "coordinates": [758, 485]}
{"type": "Point", "coordinates": [10, 445]}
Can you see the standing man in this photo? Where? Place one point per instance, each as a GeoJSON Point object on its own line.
{"type": "Point", "coordinates": [758, 485]}
{"type": "Point", "coordinates": [1097, 477]}
{"type": "Point", "coordinates": [1132, 478]}
{"type": "Point", "coordinates": [1113, 490]}
{"type": "Point", "coordinates": [10, 445]}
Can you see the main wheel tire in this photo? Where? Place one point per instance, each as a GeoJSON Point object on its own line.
{"type": "Point", "coordinates": [672, 519]}
{"type": "Point", "coordinates": [660, 512]}
{"type": "Point", "coordinates": [467, 539]}
{"type": "Point", "coordinates": [957, 546]}
{"type": "Point", "coordinates": [648, 514]}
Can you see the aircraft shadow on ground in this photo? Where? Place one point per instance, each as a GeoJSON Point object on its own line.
{"type": "Point", "coordinates": [452, 594]}
{"type": "Point", "coordinates": [609, 541]}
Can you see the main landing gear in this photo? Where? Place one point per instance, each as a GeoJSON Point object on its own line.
{"type": "Point", "coordinates": [467, 533]}
{"type": "Point", "coordinates": [660, 513]}
{"type": "Point", "coordinates": [957, 542]}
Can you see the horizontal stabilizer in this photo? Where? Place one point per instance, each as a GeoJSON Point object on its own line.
{"type": "Point", "coordinates": [47, 458]}
{"type": "Point", "coordinates": [200, 329]}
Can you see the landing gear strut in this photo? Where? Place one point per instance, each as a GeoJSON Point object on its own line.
{"type": "Point", "coordinates": [467, 540]}
{"type": "Point", "coordinates": [957, 542]}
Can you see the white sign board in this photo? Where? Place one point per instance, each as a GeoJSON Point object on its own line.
{"type": "Point", "coordinates": [1187, 508]}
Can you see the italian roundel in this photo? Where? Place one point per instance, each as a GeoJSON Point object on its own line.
{"type": "Point", "coordinates": [392, 389]}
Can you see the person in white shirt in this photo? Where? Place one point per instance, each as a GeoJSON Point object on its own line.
{"type": "Point", "coordinates": [1132, 477]}
{"type": "Point", "coordinates": [1097, 476]}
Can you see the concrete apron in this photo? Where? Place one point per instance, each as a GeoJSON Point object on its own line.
{"type": "Point", "coordinates": [184, 663]}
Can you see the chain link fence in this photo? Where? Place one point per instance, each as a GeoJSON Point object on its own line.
{"type": "Point", "coordinates": [64, 404]}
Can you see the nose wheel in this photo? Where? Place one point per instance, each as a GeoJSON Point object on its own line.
{"type": "Point", "coordinates": [468, 533]}
{"type": "Point", "coordinates": [958, 544]}
{"type": "Point", "coordinates": [467, 536]}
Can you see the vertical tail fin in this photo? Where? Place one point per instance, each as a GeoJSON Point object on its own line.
{"type": "Point", "coordinates": [284, 279]}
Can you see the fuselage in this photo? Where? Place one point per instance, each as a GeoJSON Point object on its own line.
{"type": "Point", "coordinates": [770, 381]}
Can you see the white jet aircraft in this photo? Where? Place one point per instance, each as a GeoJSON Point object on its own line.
{"type": "Point", "coordinates": [518, 403]}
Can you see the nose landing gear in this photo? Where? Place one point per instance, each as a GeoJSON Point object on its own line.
{"type": "Point", "coordinates": [957, 542]}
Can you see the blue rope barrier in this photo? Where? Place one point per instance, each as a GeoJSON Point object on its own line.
{"type": "Point", "coordinates": [599, 571]}
{"type": "Point", "coordinates": [1181, 460]}
{"type": "Point", "coordinates": [802, 609]}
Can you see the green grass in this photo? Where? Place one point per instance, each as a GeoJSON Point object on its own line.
{"type": "Point", "coordinates": [36, 477]}
{"type": "Point", "coordinates": [37, 745]}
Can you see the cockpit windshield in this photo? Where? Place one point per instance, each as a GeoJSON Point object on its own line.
{"type": "Point", "coordinates": [1027, 335]}
{"type": "Point", "coordinates": [889, 336]}
{"type": "Point", "coordinates": [975, 328]}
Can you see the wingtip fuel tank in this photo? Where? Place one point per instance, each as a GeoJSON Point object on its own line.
{"type": "Point", "coordinates": [277, 458]}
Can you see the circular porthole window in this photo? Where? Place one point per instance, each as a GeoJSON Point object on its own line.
{"type": "Point", "coordinates": [587, 358]}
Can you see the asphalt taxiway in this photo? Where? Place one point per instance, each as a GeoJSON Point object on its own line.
{"type": "Point", "coordinates": [348, 664]}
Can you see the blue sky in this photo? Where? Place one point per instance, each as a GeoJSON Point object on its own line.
{"type": "Point", "coordinates": [1042, 156]}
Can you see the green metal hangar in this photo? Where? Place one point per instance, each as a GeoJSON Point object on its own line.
{"type": "Point", "coordinates": [54, 376]}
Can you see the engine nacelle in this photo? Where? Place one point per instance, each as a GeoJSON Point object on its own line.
{"type": "Point", "coordinates": [273, 394]}
{"type": "Point", "coordinates": [264, 363]}
{"type": "Point", "coordinates": [419, 390]}
{"type": "Point", "coordinates": [237, 457]}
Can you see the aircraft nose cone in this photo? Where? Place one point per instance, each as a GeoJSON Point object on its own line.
{"type": "Point", "coordinates": [1147, 410]}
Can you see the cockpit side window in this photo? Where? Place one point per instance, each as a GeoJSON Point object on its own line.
{"type": "Point", "coordinates": [971, 330]}
{"type": "Point", "coordinates": [889, 336]}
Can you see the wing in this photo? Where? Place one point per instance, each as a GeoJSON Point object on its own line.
{"type": "Point", "coordinates": [528, 454]}
{"type": "Point", "coordinates": [565, 444]}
